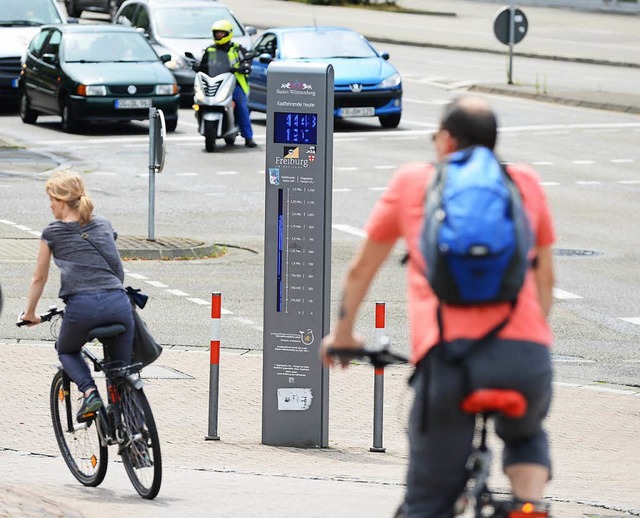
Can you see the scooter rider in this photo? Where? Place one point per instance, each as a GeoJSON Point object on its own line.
{"type": "Point", "coordinates": [224, 56]}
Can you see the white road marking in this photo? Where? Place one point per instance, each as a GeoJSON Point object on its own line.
{"type": "Point", "coordinates": [377, 188]}
{"type": "Point", "coordinates": [178, 293]}
{"type": "Point", "coordinates": [7, 222]}
{"type": "Point", "coordinates": [385, 167]}
{"type": "Point", "coordinates": [157, 284]}
{"type": "Point", "coordinates": [224, 311]}
{"type": "Point", "coordinates": [137, 276]}
{"type": "Point", "coordinates": [35, 233]}
{"type": "Point", "coordinates": [341, 190]}
{"type": "Point", "coordinates": [582, 162]}
{"type": "Point", "coordinates": [629, 182]}
{"type": "Point", "coordinates": [587, 182]}
{"type": "Point", "coordinates": [564, 295]}
{"type": "Point", "coordinates": [261, 171]}
{"type": "Point", "coordinates": [621, 160]}
{"type": "Point", "coordinates": [200, 302]}
{"type": "Point", "coordinates": [436, 102]}
{"type": "Point", "coordinates": [550, 133]}
{"type": "Point", "coordinates": [22, 227]}
{"type": "Point", "coordinates": [243, 320]}
{"type": "Point", "coordinates": [350, 230]}
{"type": "Point", "coordinates": [632, 320]}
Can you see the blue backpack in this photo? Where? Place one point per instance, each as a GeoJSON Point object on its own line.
{"type": "Point", "coordinates": [476, 236]}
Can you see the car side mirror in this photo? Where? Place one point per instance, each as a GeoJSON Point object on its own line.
{"type": "Point", "coordinates": [50, 59]}
{"type": "Point", "coordinates": [251, 30]}
{"type": "Point", "coordinates": [384, 55]}
{"type": "Point", "coordinates": [143, 32]}
{"type": "Point", "coordinates": [265, 58]}
{"type": "Point", "coordinates": [165, 58]}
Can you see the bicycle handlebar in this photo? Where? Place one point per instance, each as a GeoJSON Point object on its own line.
{"type": "Point", "coordinates": [379, 358]}
{"type": "Point", "coordinates": [45, 317]}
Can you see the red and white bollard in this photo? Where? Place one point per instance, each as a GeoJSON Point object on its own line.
{"type": "Point", "coordinates": [214, 372]}
{"type": "Point", "coordinates": [378, 383]}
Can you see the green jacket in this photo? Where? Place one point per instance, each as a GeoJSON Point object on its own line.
{"type": "Point", "coordinates": [233, 61]}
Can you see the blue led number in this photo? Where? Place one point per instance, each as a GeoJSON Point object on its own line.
{"type": "Point", "coordinates": [295, 128]}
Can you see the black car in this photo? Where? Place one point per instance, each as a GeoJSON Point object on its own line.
{"type": "Point", "coordinates": [75, 7]}
{"type": "Point", "coordinates": [88, 73]}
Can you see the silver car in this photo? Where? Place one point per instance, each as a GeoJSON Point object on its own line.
{"type": "Point", "coordinates": [176, 27]}
{"type": "Point", "coordinates": [20, 21]}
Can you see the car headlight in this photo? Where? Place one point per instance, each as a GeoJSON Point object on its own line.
{"type": "Point", "coordinates": [92, 90]}
{"type": "Point", "coordinates": [391, 81]}
{"type": "Point", "coordinates": [164, 89]}
{"type": "Point", "coordinates": [177, 63]}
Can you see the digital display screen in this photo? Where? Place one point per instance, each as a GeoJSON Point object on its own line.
{"type": "Point", "coordinates": [295, 128]}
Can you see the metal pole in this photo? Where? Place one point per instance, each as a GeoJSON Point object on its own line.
{"type": "Point", "coordinates": [378, 384]}
{"type": "Point", "coordinates": [152, 173]}
{"type": "Point", "coordinates": [214, 372]}
{"type": "Point", "coordinates": [512, 16]}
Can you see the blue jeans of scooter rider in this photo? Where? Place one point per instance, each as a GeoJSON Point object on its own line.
{"type": "Point", "coordinates": [242, 112]}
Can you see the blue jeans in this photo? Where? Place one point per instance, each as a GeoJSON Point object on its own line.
{"type": "Point", "coordinates": [83, 312]}
{"type": "Point", "coordinates": [242, 112]}
{"type": "Point", "coordinates": [441, 435]}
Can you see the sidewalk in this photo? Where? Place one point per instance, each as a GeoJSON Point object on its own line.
{"type": "Point", "coordinates": [593, 470]}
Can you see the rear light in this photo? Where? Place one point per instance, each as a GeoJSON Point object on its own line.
{"type": "Point", "coordinates": [528, 510]}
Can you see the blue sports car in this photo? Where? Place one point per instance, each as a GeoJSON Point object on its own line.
{"type": "Point", "coordinates": [366, 84]}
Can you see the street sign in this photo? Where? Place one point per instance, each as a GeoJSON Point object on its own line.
{"type": "Point", "coordinates": [502, 25]}
{"type": "Point", "coordinates": [510, 27]}
{"type": "Point", "coordinates": [297, 262]}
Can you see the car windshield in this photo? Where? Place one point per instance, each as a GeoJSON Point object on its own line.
{"type": "Point", "coordinates": [27, 13]}
{"type": "Point", "coordinates": [180, 22]}
{"type": "Point", "coordinates": [325, 44]}
{"type": "Point", "coordinates": [106, 47]}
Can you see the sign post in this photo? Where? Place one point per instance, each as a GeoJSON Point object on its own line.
{"type": "Point", "coordinates": [510, 27]}
{"type": "Point", "coordinates": [297, 264]}
{"type": "Point", "coordinates": [157, 132]}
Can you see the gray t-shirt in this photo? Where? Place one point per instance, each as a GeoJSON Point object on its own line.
{"type": "Point", "coordinates": [82, 267]}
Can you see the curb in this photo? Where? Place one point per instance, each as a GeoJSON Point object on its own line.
{"type": "Point", "coordinates": [556, 99]}
{"type": "Point", "coordinates": [137, 247]}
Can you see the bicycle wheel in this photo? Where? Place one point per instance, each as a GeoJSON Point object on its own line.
{"type": "Point", "coordinates": [79, 443]}
{"type": "Point", "coordinates": [141, 451]}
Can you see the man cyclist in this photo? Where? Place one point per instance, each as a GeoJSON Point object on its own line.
{"type": "Point", "coordinates": [440, 434]}
{"type": "Point", "coordinates": [224, 56]}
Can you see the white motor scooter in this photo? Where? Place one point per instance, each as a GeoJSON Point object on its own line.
{"type": "Point", "coordinates": [213, 104]}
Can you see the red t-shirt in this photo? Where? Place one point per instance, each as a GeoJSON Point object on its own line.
{"type": "Point", "coordinates": [399, 214]}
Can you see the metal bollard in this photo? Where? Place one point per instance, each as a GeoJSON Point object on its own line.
{"type": "Point", "coordinates": [378, 383]}
{"type": "Point", "coordinates": [214, 373]}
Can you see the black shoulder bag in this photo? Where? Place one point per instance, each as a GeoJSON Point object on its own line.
{"type": "Point", "coordinates": [146, 349]}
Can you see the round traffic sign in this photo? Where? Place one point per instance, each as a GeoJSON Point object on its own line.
{"type": "Point", "coordinates": [501, 25]}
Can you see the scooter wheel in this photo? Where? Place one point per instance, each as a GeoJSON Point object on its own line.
{"type": "Point", "coordinates": [209, 144]}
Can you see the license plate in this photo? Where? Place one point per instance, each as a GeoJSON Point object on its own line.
{"type": "Point", "coordinates": [15, 82]}
{"type": "Point", "coordinates": [124, 104]}
{"type": "Point", "coordinates": [358, 112]}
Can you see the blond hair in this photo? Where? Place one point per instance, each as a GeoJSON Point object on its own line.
{"type": "Point", "coordinates": [69, 188]}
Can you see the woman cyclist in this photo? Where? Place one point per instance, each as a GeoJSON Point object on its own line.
{"type": "Point", "coordinates": [91, 275]}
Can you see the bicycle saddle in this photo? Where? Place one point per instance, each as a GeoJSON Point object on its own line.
{"type": "Point", "coordinates": [105, 331]}
{"type": "Point", "coordinates": [509, 403]}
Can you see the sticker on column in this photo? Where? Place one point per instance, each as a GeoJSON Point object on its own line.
{"type": "Point", "coordinates": [294, 398]}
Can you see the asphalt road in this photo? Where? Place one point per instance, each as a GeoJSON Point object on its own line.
{"type": "Point", "coordinates": [587, 161]}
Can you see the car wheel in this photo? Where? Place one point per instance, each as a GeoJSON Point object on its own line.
{"type": "Point", "coordinates": [171, 125]}
{"type": "Point", "coordinates": [27, 115]}
{"type": "Point", "coordinates": [69, 121]}
{"type": "Point", "coordinates": [72, 10]}
{"type": "Point", "coordinates": [390, 121]}
{"type": "Point", "coordinates": [113, 9]}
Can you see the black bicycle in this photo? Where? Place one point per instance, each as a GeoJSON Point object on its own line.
{"type": "Point", "coordinates": [484, 404]}
{"type": "Point", "coordinates": [126, 420]}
